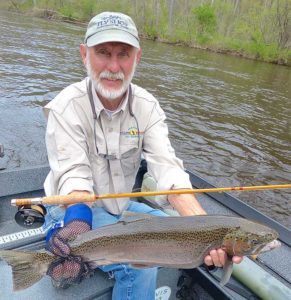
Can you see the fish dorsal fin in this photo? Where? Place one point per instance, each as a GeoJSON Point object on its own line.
{"type": "Point", "coordinates": [126, 218]}
{"type": "Point", "coordinates": [129, 217]}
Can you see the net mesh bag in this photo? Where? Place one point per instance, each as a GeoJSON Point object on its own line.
{"type": "Point", "coordinates": [67, 269]}
{"type": "Point", "coordinates": [59, 241]}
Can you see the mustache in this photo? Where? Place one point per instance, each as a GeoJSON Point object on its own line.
{"type": "Point", "coordinates": [111, 76]}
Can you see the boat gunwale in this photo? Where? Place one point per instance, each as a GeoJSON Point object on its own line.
{"type": "Point", "coordinates": [241, 208]}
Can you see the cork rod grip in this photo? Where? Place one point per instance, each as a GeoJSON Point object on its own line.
{"type": "Point", "coordinates": [69, 199]}
{"type": "Point", "coordinates": [56, 200]}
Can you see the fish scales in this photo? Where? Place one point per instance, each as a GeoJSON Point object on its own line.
{"type": "Point", "coordinates": [159, 225]}
{"type": "Point", "coordinates": [187, 248]}
{"type": "Point", "coordinates": [178, 242]}
{"type": "Point", "coordinates": [125, 242]}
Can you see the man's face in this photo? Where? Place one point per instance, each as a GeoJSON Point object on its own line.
{"type": "Point", "coordinates": [111, 67]}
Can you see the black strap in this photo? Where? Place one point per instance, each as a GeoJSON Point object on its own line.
{"type": "Point", "coordinates": [89, 91]}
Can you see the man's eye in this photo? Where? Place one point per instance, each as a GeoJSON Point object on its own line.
{"type": "Point", "coordinates": [123, 54]}
{"type": "Point", "coordinates": [103, 52]}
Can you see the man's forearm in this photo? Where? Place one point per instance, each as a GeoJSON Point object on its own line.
{"type": "Point", "coordinates": [186, 204]}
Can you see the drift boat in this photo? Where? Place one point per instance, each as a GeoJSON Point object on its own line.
{"type": "Point", "coordinates": [268, 277]}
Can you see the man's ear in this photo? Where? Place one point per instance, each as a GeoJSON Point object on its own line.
{"type": "Point", "coordinates": [83, 53]}
{"type": "Point", "coordinates": [138, 56]}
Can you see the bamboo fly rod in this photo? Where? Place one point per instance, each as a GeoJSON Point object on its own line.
{"type": "Point", "coordinates": [78, 198]}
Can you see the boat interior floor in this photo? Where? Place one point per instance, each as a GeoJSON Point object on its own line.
{"type": "Point", "coordinates": [26, 183]}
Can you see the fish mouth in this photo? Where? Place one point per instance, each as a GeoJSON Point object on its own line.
{"type": "Point", "coordinates": [270, 246]}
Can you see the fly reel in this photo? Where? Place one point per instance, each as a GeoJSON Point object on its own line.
{"type": "Point", "coordinates": [31, 216]}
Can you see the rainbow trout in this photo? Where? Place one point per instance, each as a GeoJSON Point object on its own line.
{"type": "Point", "coordinates": [175, 242]}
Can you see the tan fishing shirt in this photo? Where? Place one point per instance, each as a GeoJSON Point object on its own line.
{"type": "Point", "coordinates": [108, 161]}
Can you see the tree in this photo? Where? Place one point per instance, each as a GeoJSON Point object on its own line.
{"type": "Point", "coordinates": [171, 16]}
{"type": "Point", "coordinates": [283, 20]}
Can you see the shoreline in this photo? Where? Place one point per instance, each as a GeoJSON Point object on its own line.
{"type": "Point", "coordinates": [224, 51]}
{"type": "Point", "coordinates": [56, 16]}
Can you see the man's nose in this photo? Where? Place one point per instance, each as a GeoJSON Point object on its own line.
{"type": "Point", "coordinates": [113, 65]}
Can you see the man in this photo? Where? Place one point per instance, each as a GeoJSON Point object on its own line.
{"type": "Point", "coordinates": [97, 130]}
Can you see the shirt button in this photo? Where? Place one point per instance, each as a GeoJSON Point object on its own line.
{"type": "Point", "coordinates": [110, 129]}
{"type": "Point", "coordinates": [116, 174]}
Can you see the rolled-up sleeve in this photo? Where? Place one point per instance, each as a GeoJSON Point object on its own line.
{"type": "Point", "coordinates": [68, 155]}
{"type": "Point", "coordinates": [162, 162]}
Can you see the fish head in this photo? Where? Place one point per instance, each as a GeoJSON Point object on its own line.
{"type": "Point", "coordinates": [250, 238]}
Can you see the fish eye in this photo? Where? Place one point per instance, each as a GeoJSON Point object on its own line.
{"type": "Point", "coordinates": [255, 242]}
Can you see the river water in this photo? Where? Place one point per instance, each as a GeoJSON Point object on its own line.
{"type": "Point", "coordinates": [229, 118]}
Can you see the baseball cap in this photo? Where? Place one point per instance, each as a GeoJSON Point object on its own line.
{"type": "Point", "coordinates": [111, 27]}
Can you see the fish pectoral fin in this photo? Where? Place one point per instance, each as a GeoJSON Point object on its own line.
{"type": "Point", "coordinates": [129, 217]}
{"type": "Point", "coordinates": [227, 270]}
{"type": "Point", "coordinates": [100, 262]}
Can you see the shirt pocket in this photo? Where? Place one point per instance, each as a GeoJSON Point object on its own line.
{"type": "Point", "coordinates": [130, 157]}
{"type": "Point", "coordinates": [100, 172]}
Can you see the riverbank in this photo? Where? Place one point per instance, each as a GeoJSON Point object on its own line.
{"type": "Point", "coordinates": [284, 60]}
{"type": "Point", "coordinates": [206, 39]}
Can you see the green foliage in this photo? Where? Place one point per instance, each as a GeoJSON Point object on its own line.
{"type": "Point", "coordinates": [150, 32]}
{"type": "Point", "coordinates": [68, 11]}
{"type": "Point", "coordinates": [87, 8]}
{"type": "Point", "coordinates": [105, 5]}
{"type": "Point", "coordinates": [262, 51]}
{"type": "Point", "coordinates": [254, 28]}
{"type": "Point", "coordinates": [206, 20]}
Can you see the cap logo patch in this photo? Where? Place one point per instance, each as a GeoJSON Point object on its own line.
{"type": "Point", "coordinates": [112, 21]}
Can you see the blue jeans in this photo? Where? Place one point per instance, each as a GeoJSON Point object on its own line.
{"type": "Point", "coordinates": [130, 283]}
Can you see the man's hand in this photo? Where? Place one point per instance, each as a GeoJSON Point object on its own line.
{"type": "Point", "coordinates": [67, 268]}
{"type": "Point", "coordinates": [58, 240]}
{"type": "Point", "coordinates": [188, 205]}
{"type": "Point", "coordinates": [218, 258]}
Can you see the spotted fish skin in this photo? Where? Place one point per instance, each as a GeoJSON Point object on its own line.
{"type": "Point", "coordinates": [176, 242]}
{"type": "Point", "coordinates": [179, 242]}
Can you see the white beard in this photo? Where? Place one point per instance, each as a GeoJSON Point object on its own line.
{"type": "Point", "coordinates": [110, 95]}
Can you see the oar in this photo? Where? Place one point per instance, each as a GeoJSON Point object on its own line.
{"type": "Point", "coordinates": [75, 198]}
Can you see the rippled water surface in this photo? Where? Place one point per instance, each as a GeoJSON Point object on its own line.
{"type": "Point", "coordinates": [229, 118]}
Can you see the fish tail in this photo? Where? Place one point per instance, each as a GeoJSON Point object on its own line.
{"type": "Point", "coordinates": [26, 268]}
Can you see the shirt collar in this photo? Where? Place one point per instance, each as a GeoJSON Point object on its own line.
{"type": "Point", "coordinates": [99, 106]}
